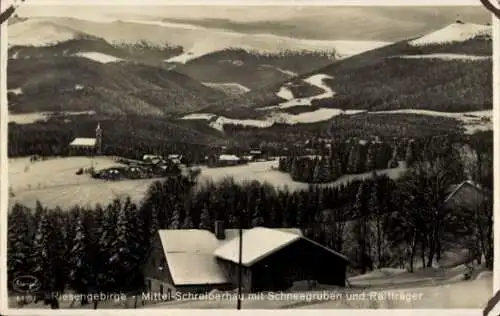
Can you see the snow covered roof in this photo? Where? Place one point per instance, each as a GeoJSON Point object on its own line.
{"type": "Point", "coordinates": [150, 156]}
{"type": "Point", "coordinates": [258, 243]}
{"type": "Point", "coordinates": [190, 254]}
{"type": "Point", "coordinates": [195, 268]}
{"type": "Point", "coordinates": [87, 142]}
{"type": "Point", "coordinates": [455, 188]}
{"type": "Point", "coordinates": [229, 157]}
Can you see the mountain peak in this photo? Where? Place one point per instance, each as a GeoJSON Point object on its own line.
{"type": "Point", "coordinates": [458, 31]}
{"type": "Point", "coordinates": [40, 32]}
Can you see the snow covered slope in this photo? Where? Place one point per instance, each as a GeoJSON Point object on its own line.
{"type": "Point", "coordinates": [196, 41]}
{"type": "Point", "coordinates": [40, 33]}
{"type": "Point", "coordinates": [455, 32]}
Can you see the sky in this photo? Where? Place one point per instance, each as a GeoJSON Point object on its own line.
{"type": "Point", "coordinates": [313, 22]}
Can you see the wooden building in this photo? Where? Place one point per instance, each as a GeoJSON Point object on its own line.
{"type": "Point", "coordinates": [274, 259]}
{"type": "Point", "coordinates": [85, 146]}
{"type": "Point", "coordinates": [467, 195]}
{"type": "Point", "coordinates": [194, 260]}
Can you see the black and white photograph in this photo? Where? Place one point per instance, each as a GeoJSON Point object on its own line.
{"type": "Point", "coordinates": [249, 157]}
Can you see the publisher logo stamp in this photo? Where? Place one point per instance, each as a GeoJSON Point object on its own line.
{"type": "Point", "coordinates": [26, 284]}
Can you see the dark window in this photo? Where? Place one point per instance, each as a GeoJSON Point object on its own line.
{"type": "Point", "coordinates": [161, 289]}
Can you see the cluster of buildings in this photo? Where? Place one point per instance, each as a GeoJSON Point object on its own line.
{"type": "Point", "coordinates": [226, 159]}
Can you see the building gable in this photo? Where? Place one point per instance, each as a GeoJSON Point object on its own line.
{"type": "Point", "coordinates": [467, 195]}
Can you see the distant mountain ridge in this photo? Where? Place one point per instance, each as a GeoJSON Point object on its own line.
{"type": "Point", "coordinates": [446, 70]}
{"type": "Point", "coordinates": [134, 74]}
{"type": "Point", "coordinates": [213, 56]}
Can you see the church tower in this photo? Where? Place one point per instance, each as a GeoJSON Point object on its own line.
{"type": "Point", "coordinates": [98, 139]}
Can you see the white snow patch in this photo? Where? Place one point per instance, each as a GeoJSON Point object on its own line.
{"type": "Point", "coordinates": [232, 88]}
{"type": "Point", "coordinates": [198, 116]}
{"type": "Point", "coordinates": [29, 118]}
{"type": "Point", "coordinates": [229, 158]}
{"type": "Point", "coordinates": [446, 57]}
{"type": "Point", "coordinates": [455, 32]}
{"type": "Point", "coordinates": [285, 93]}
{"type": "Point", "coordinates": [315, 80]}
{"type": "Point", "coordinates": [319, 115]}
{"type": "Point", "coordinates": [287, 72]}
{"type": "Point", "coordinates": [16, 91]}
{"type": "Point", "coordinates": [78, 87]}
{"type": "Point", "coordinates": [99, 57]}
{"type": "Point", "coordinates": [473, 121]}
{"type": "Point", "coordinates": [219, 123]}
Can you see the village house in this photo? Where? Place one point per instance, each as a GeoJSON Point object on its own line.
{"type": "Point", "coordinates": [466, 195]}
{"type": "Point", "coordinates": [225, 160]}
{"type": "Point", "coordinates": [197, 261]}
{"type": "Point", "coordinates": [83, 146]}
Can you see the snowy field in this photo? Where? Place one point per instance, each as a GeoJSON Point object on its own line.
{"type": "Point", "coordinates": [267, 172]}
{"type": "Point", "coordinates": [29, 118]}
{"type": "Point", "coordinates": [54, 182]}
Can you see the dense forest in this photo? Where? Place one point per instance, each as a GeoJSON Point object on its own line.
{"type": "Point", "coordinates": [130, 138]}
{"type": "Point", "coordinates": [355, 156]}
{"type": "Point", "coordinates": [345, 158]}
{"type": "Point", "coordinates": [421, 84]}
{"type": "Point", "coordinates": [376, 222]}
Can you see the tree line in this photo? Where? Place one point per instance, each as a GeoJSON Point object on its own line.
{"type": "Point", "coordinates": [354, 156]}
{"type": "Point", "coordinates": [344, 158]}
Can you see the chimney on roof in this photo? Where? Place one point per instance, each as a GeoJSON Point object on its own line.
{"type": "Point", "coordinates": [219, 230]}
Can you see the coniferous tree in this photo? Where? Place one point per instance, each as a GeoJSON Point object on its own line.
{"type": "Point", "coordinates": [410, 153]}
{"type": "Point", "coordinates": [154, 224]}
{"type": "Point", "coordinates": [80, 263]}
{"type": "Point", "coordinates": [393, 162]}
{"type": "Point", "coordinates": [354, 159]}
{"type": "Point", "coordinates": [376, 218]}
{"type": "Point", "coordinates": [59, 246]}
{"type": "Point", "coordinates": [19, 242]}
{"type": "Point", "coordinates": [188, 219]}
{"type": "Point", "coordinates": [175, 222]}
{"type": "Point", "coordinates": [370, 162]}
{"type": "Point", "coordinates": [360, 230]}
{"type": "Point", "coordinates": [258, 213]}
{"type": "Point", "coordinates": [205, 219]}
{"type": "Point", "coordinates": [43, 256]}
{"type": "Point", "coordinates": [124, 258]}
{"type": "Point", "coordinates": [107, 235]}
